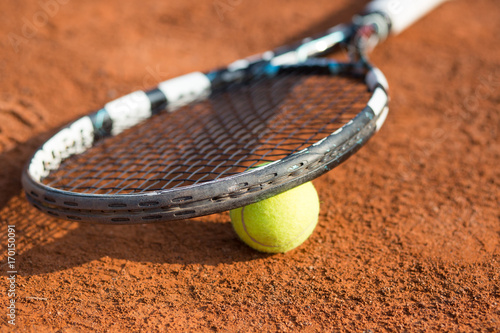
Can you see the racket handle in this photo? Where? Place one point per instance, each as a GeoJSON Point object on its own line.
{"type": "Point", "coordinates": [402, 13]}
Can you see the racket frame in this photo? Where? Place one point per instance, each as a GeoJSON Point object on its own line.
{"type": "Point", "coordinates": [229, 192]}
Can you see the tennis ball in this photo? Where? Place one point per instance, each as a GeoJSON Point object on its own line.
{"type": "Point", "coordinates": [280, 223]}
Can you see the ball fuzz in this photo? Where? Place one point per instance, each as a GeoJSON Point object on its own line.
{"type": "Point", "coordinates": [280, 223]}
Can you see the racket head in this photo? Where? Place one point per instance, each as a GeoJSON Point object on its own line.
{"type": "Point", "coordinates": [206, 157]}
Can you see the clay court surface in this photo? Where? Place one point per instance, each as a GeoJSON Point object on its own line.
{"type": "Point", "coordinates": [408, 238]}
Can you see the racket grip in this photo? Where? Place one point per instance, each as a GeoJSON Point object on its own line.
{"type": "Point", "coordinates": [402, 13]}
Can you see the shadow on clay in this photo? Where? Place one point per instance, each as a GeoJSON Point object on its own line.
{"type": "Point", "coordinates": [47, 244]}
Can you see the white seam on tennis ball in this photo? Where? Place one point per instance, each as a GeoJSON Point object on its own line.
{"type": "Point", "coordinates": [265, 245]}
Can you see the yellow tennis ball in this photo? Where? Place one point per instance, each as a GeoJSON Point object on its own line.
{"type": "Point", "coordinates": [280, 223]}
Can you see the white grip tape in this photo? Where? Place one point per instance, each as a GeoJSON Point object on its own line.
{"type": "Point", "coordinates": [128, 111]}
{"type": "Point", "coordinates": [402, 13]}
{"type": "Point", "coordinates": [381, 118]}
{"type": "Point", "coordinates": [185, 89]}
{"type": "Point", "coordinates": [378, 101]}
{"type": "Point", "coordinates": [375, 77]}
{"type": "Point", "coordinates": [72, 140]}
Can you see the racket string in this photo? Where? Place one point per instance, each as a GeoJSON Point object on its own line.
{"type": "Point", "coordinates": [233, 131]}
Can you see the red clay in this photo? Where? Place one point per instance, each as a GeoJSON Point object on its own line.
{"type": "Point", "coordinates": [409, 230]}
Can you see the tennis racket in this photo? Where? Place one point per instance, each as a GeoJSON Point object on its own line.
{"type": "Point", "coordinates": [209, 142]}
